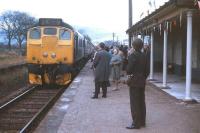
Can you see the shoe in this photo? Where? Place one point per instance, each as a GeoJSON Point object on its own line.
{"type": "Point", "coordinates": [104, 96]}
{"type": "Point", "coordinates": [94, 97]}
{"type": "Point", "coordinates": [115, 89]}
{"type": "Point", "coordinates": [132, 126]}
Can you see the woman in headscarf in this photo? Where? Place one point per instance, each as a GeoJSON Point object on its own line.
{"type": "Point", "coordinates": [115, 67]}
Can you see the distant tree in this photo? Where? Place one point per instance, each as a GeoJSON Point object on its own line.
{"type": "Point", "coordinates": [15, 25]}
{"type": "Point", "coordinates": [22, 23]}
{"type": "Point", "coordinates": [6, 24]}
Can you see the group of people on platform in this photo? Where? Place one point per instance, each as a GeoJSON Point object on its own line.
{"type": "Point", "coordinates": [108, 61]}
{"type": "Point", "coordinates": [115, 61]}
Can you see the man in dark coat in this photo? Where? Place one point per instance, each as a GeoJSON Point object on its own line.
{"type": "Point", "coordinates": [102, 70]}
{"type": "Point", "coordinates": [137, 71]}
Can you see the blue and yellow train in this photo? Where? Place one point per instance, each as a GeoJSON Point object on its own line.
{"type": "Point", "coordinates": [54, 51]}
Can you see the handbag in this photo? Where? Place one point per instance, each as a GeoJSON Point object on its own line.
{"type": "Point", "coordinates": [135, 81]}
{"type": "Point", "coordinates": [130, 80]}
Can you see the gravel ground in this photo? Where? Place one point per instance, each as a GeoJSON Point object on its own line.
{"type": "Point", "coordinates": [12, 83]}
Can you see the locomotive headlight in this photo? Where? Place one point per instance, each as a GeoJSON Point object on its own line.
{"type": "Point", "coordinates": [45, 54]}
{"type": "Point", "coordinates": [53, 55]}
{"type": "Point", "coordinates": [33, 58]}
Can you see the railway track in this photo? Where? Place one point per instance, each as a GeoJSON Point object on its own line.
{"type": "Point", "coordinates": [23, 113]}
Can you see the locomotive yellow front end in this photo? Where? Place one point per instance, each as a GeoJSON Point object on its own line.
{"type": "Point", "coordinates": [50, 52]}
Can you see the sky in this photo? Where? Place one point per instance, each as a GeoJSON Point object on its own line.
{"type": "Point", "coordinates": [100, 17]}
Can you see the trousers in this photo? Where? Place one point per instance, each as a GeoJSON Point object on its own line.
{"type": "Point", "coordinates": [102, 85]}
{"type": "Point", "coordinates": [137, 105]}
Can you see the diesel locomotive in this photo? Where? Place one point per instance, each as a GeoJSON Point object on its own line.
{"type": "Point", "coordinates": [54, 51]}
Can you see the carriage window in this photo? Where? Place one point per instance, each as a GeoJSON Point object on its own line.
{"type": "Point", "coordinates": [64, 34]}
{"type": "Point", "coordinates": [50, 31]}
{"type": "Point", "coordinates": [35, 33]}
{"type": "Point", "coordinates": [80, 43]}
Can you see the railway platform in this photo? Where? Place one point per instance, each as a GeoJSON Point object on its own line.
{"type": "Point", "coordinates": [76, 112]}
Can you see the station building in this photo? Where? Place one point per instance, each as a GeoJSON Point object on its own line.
{"type": "Point", "coordinates": [174, 31]}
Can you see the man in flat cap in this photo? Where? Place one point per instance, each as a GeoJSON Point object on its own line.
{"type": "Point", "coordinates": [101, 70]}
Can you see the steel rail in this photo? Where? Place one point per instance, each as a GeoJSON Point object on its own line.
{"type": "Point", "coordinates": [16, 98]}
{"type": "Point", "coordinates": [41, 113]}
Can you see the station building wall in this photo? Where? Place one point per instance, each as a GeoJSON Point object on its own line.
{"type": "Point", "coordinates": [158, 51]}
{"type": "Point", "coordinates": [196, 50]}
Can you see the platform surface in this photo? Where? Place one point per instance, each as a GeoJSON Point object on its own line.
{"type": "Point", "coordinates": [76, 112]}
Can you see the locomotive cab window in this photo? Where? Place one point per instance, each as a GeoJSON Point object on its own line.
{"type": "Point", "coordinates": [50, 31]}
{"type": "Point", "coordinates": [64, 34]}
{"type": "Point", "coordinates": [35, 33]}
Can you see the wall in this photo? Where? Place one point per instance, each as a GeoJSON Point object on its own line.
{"type": "Point", "coordinates": [196, 50]}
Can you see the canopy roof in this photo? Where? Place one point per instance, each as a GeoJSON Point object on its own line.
{"type": "Point", "coordinates": [169, 10]}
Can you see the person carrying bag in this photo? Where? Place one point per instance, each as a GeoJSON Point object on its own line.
{"type": "Point", "coordinates": [137, 72]}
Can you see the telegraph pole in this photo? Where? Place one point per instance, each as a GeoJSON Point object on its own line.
{"type": "Point", "coordinates": [130, 22]}
{"type": "Point", "coordinates": [113, 38]}
{"type": "Point", "coordinates": [117, 41]}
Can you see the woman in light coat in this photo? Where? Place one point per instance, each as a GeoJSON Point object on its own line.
{"type": "Point", "coordinates": [115, 67]}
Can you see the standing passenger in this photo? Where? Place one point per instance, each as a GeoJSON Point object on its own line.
{"type": "Point", "coordinates": [102, 69]}
{"type": "Point", "coordinates": [121, 53]}
{"type": "Point", "coordinates": [125, 60]}
{"type": "Point", "coordinates": [115, 67]}
{"type": "Point", "coordinates": [137, 71]}
{"type": "Point", "coordinates": [93, 56]}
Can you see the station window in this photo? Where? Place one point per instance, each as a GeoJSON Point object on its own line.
{"type": "Point", "coordinates": [64, 34]}
{"type": "Point", "coordinates": [50, 31]}
{"type": "Point", "coordinates": [35, 33]}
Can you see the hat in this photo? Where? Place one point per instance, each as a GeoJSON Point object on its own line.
{"type": "Point", "coordinates": [102, 45]}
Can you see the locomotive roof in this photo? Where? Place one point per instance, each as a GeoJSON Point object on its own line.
{"type": "Point", "coordinates": [53, 22]}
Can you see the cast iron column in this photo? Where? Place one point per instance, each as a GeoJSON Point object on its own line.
{"type": "Point", "coordinates": [189, 56]}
